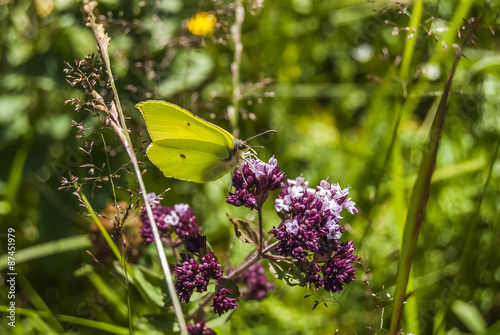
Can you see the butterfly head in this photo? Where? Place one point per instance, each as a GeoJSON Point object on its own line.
{"type": "Point", "coordinates": [240, 151]}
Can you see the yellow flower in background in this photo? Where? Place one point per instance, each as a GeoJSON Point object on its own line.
{"type": "Point", "coordinates": [44, 7]}
{"type": "Point", "coordinates": [202, 24]}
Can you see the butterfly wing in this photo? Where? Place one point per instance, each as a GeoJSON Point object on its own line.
{"type": "Point", "coordinates": [184, 146]}
{"type": "Point", "coordinates": [188, 159]}
{"type": "Point", "coordinates": [169, 121]}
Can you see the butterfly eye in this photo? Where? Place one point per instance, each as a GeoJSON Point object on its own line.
{"type": "Point", "coordinates": [242, 145]}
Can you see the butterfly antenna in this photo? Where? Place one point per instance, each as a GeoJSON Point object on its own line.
{"type": "Point", "coordinates": [263, 133]}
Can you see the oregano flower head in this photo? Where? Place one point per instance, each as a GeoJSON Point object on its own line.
{"type": "Point", "coordinates": [193, 275]}
{"type": "Point", "coordinates": [310, 232]}
{"type": "Point", "coordinates": [222, 303]}
{"type": "Point", "coordinates": [177, 219]}
{"type": "Point", "coordinates": [252, 182]}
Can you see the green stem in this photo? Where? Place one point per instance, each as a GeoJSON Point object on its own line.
{"type": "Point", "coordinates": [261, 232]}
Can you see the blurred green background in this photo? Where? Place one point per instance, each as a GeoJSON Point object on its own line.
{"type": "Point", "coordinates": [351, 87]}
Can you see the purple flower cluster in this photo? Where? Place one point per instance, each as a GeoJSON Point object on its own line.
{"type": "Point", "coordinates": [310, 217]}
{"type": "Point", "coordinates": [336, 272]}
{"type": "Point", "coordinates": [252, 182]}
{"type": "Point", "coordinates": [310, 232]}
{"type": "Point", "coordinates": [178, 219]}
{"type": "Point", "coordinates": [255, 281]}
{"type": "Point", "coordinates": [222, 303]}
{"type": "Point", "coordinates": [192, 275]}
{"type": "Point", "coordinates": [200, 329]}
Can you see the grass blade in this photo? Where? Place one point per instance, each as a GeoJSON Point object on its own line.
{"type": "Point", "coordinates": [47, 249]}
{"type": "Point", "coordinates": [418, 202]}
{"type": "Point", "coordinates": [107, 327]}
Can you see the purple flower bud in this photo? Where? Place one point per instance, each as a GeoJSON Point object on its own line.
{"type": "Point", "coordinates": [200, 329]}
{"type": "Point", "coordinates": [196, 244]}
{"type": "Point", "coordinates": [255, 281]}
{"type": "Point", "coordinates": [222, 303]}
{"type": "Point", "coordinates": [338, 270]}
{"type": "Point", "coordinates": [253, 180]}
{"type": "Point", "coordinates": [178, 219]}
{"type": "Point", "coordinates": [192, 275]}
{"type": "Point", "coordinates": [210, 268]}
{"type": "Point", "coordinates": [313, 276]}
{"type": "Point", "coordinates": [188, 278]}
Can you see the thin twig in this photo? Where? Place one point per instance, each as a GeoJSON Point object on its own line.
{"type": "Point", "coordinates": [235, 65]}
{"type": "Point", "coordinates": [261, 231]}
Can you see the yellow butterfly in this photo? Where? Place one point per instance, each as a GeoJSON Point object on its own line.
{"type": "Point", "coordinates": [187, 147]}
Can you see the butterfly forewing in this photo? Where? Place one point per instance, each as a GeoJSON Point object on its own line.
{"type": "Point", "coordinates": [169, 121]}
{"type": "Point", "coordinates": [187, 147]}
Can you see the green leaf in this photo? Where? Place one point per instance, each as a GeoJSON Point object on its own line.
{"type": "Point", "coordinates": [244, 230]}
{"type": "Point", "coordinates": [287, 272]}
{"type": "Point", "coordinates": [110, 293]}
{"type": "Point", "coordinates": [150, 283]}
{"type": "Point", "coordinates": [161, 321]}
{"type": "Point", "coordinates": [470, 316]}
{"type": "Point", "coordinates": [230, 285]}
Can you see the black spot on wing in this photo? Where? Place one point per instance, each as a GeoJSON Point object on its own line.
{"type": "Point", "coordinates": [189, 124]}
{"type": "Point", "coordinates": [183, 156]}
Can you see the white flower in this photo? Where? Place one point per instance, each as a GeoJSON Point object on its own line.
{"type": "Point", "coordinates": [284, 203]}
{"type": "Point", "coordinates": [349, 205]}
{"type": "Point", "coordinates": [292, 227]}
{"type": "Point", "coordinates": [296, 192]}
{"type": "Point", "coordinates": [334, 234]}
{"type": "Point", "coordinates": [271, 165]}
{"type": "Point", "coordinates": [172, 219]}
{"type": "Point", "coordinates": [333, 229]}
{"type": "Point", "coordinates": [261, 167]}
{"type": "Point", "coordinates": [338, 192]}
{"type": "Point", "coordinates": [181, 209]}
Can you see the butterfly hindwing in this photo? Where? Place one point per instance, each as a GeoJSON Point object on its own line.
{"type": "Point", "coordinates": [189, 159]}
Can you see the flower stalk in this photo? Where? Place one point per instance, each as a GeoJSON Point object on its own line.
{"type": "Point", "coordinates": [117, 121]}
{"type": "Point", "coordinates": [235, 65]}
